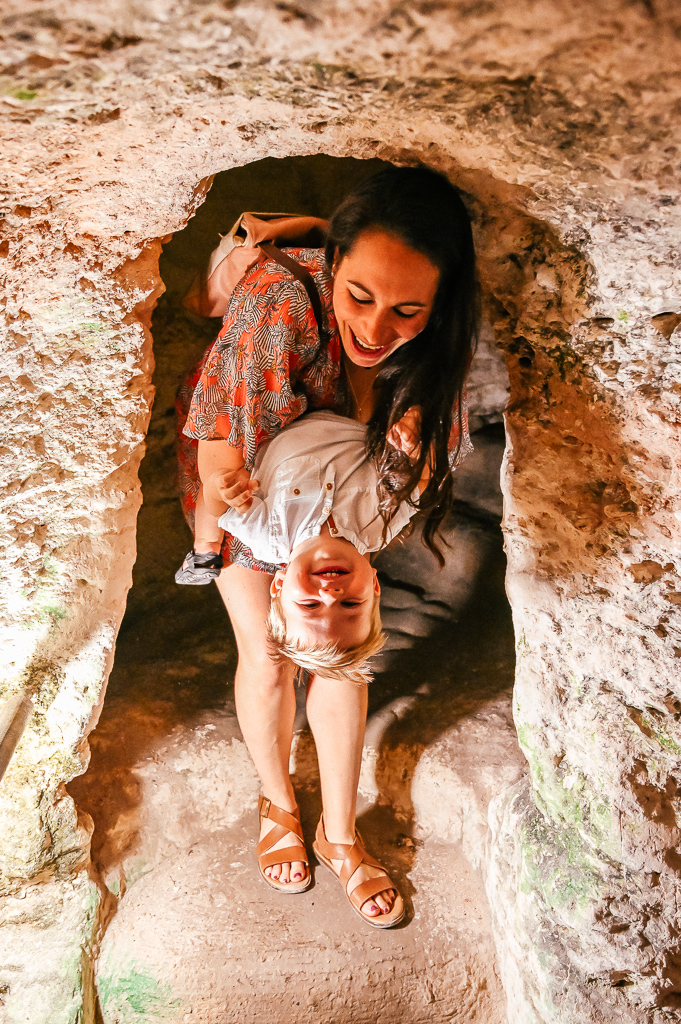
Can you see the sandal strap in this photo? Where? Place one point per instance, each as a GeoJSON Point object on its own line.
{"type": "Point", "coordinates": [356, 856]}
{"type": "Point", "coordinates": [285, 822]}
{"type": "Point", "coordinates": [290, 820]}
{"type": "Point", "coordinates": [332, 851]}
{"type": "Point", "coordinates": [352, 857]}
{"type": "Point", "coordinates": [365, 890]}
{"type": "Point", "coordinates": [287, 855]}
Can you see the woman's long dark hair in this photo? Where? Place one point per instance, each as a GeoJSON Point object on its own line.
{"type": "Point", "coordinates": [425, 211]}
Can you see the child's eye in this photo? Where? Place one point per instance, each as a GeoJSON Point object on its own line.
{"type": "Point", "coordinates": [308, 604]}
{"type": "Point", "coordinates": [350, 604]}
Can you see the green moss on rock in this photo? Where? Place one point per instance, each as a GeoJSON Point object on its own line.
{"type": "Point", "coordinates": [134, 996]}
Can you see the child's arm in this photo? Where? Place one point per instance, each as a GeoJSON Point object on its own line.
{"type": "Point", "coordinates": [425, 477]}
{"type": "Point", "coordinates": [406, 435]}
{"type": "Point", "coordinates": [226, 483]}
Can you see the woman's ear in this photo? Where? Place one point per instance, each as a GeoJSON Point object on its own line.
{"type": "Point", "coordinates": [277, 582]}
{"type": "Point", "coordinates": [336, 261]}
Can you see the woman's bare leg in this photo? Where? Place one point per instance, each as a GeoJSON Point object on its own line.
{"type": "Point", "coordinates": [265, 698]}
{"type": "Point", "coordinates": [337, 712]}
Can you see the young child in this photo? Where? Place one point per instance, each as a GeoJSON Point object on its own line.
{"type": "Point", "coordinates": [311, 507]}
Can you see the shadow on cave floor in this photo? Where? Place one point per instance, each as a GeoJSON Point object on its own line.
{"type": "Point", "coordinates": [172, 790]}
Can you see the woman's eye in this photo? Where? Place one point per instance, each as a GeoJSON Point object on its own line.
{"type": "Point", "coordinates": [406, 316]}
{"type": "Point", "coordinates": [360, 302]}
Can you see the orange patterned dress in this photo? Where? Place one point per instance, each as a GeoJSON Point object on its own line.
{"type": "Point", "coordinates": [266, 367]}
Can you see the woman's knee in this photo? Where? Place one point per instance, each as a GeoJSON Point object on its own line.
{"type": "Point", "coordinates": [259, 671]}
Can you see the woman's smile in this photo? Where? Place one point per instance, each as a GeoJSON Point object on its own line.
{"type": "Point", "coordinates": [362, 347]}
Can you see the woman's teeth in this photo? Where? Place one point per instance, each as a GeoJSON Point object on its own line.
{"type": "Point", "coordinates": [367, 348]}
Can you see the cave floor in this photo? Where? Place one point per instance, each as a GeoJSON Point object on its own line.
{"type": "Point", "coordinates": [193, 933]}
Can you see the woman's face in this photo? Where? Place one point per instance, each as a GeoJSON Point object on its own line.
{"type": "Point", "coordinates": [383, 294]}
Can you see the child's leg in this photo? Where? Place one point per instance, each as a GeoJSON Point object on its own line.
{"type": "Point", "coordinates": [207, 534]}
{"type": "Point", "coordinates": [204, 562]}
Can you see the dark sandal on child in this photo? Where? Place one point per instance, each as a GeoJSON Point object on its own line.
{"type": "Point", "coordinates": [352, 857]}
{"type": "Point", "coordinates": [199, 569]}
{"type": "Point", "coordinates": [286, 821]}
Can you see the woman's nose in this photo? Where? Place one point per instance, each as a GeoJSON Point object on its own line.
{"type": "Point", "coordinates": [379, 329]}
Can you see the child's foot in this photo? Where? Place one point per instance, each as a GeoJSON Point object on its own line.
{"type": "Point", "coordinates": [199, 567]}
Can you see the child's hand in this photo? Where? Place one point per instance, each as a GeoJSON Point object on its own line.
{"type": "Point", "coordinates": [405, 435]}
{"type": "Point", "coordinates": [235, 488]}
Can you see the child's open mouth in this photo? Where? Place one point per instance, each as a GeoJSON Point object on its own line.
{"type": "Point", "coordinates": [330, 572]}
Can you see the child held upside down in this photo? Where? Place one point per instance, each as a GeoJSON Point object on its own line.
{"type": "Point", "coordinates": [311, 507]}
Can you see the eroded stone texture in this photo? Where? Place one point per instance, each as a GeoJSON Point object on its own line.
{"type": "Point", "coordinates": [561, 121]}
{"type": "Point", "coordinates": [47, 935]}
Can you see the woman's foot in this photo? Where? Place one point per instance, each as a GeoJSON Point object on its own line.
{"type": "Point", "coordinates": [281, 833]}
{"type": "Point", "coordinates": [367, 886]}
{"type": "Point", "coordinates": [384, 901]}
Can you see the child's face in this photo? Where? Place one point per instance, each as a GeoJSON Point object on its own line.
{"type": "Point", "coordinates": [327, 593]}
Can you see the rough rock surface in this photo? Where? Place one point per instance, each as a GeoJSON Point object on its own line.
{"type": "Point", "coordinates": [47, 938]}
{"type": "Point", "coordinates": [561, 122]}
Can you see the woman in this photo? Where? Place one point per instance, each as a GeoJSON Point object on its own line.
{"type": "Point", "coordinates": [399, 308]}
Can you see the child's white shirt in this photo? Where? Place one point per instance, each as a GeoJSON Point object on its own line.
{"type": "Point", "coordinates": [314, 468]}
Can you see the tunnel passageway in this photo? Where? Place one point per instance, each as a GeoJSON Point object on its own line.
{"type": "Point", "coordinates": [195, 934]}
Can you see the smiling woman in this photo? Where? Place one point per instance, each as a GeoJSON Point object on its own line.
{"type": "Point", "coordinates": [398, 300]}
{"type": "Point", "coordinates": [405, 296]}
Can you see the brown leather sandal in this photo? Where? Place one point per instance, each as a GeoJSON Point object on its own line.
{"type": "Point", "coordinates": [285, 822]}
{"type": "Point", "coordinates": [352, 856]}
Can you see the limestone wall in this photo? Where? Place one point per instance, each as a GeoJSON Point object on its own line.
{"type": "Point", "coordinates": [561, 122]}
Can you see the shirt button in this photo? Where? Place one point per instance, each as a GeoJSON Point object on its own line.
{"type": "Point", "coordinates": [296, 491]}
{"type": "Point", "coordinates": [329, 486]}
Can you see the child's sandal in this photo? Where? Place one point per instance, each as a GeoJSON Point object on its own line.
{"type": "Point", "coordinates": [199, 569]}
{"type": "Point", "coordinates": [352, 857]}
{"type": "Point", "coordinates": [286, 821]}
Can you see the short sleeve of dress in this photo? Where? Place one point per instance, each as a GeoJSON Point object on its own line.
{"type": "Point", "coordinates": [251, 384]}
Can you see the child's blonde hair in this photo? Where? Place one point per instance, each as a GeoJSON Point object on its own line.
{"type": "Point", "coordinates": [327, 660]}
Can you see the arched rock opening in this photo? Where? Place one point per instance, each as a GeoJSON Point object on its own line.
{"type": "Point", "coordinates": [170, 784]}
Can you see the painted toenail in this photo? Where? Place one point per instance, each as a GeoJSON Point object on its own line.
{"type": "Point", "coordinates": [297, 875]}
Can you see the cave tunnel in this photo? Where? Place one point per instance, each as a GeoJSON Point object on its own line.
{"type": "Point", "coordinates": [169, 775]}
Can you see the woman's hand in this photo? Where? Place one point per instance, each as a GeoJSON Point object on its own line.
{"type": "Point", "coordinates": [233, 487]}
{"type": "Point", "coordinates": [405, 435]}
